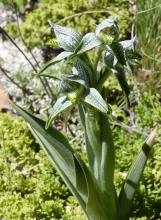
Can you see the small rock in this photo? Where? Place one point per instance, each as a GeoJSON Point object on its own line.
{"type": "Point", "coordinates": [4, 99]}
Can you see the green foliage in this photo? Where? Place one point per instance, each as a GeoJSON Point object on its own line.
{"type": "Point", "coordinates": [36, 31]}
{"type": "Point", "coordinates": [148, 19]}
{"type": "Point", "coordinates": [29, 186]}
{"type": "Point", "coordinates": [93, 183]}
{"type": "Point", "coordinates": [19, 3]}
{"type": "Point", "coordinates": [43, 182]}
{"type": "Point", "coordinates": [147, 201]}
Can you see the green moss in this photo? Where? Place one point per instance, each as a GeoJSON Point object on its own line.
{"type": "Point", "coordinates": [31, 189]}
{"type": "Point", "coordinates": [19, 3]}
{"type": "Point", "coordinates": [29, 186]}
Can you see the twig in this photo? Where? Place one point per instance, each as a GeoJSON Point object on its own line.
{"type": "Point", "coordinates": [128, 128]}
{"type": "Point", "coordinates": [83, 13]}
{"type": "Point", "coordinates": [11, 79]}
{"type": "Point", "coordinates": [76, 137]}
{"type": "Point", "coordinates": [151, 139]}
{"type": "Point", "coordinates": [21, 51]}
{"type": "Point", "coordinates": [44, 81]}
{"type": "Point", "coordinates": [147, 10]}
{"type": "Point", "coordinates": [19, 30]}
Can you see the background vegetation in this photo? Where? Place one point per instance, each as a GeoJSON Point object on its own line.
{"type": "Point", "coordinates": [29, 186]}
{"type": "Point", "coordinates": [83, 14]}
{"type": "Point", "coordinates": [148, 29]}
{"type": "Point", "coordinates": [31, 189]}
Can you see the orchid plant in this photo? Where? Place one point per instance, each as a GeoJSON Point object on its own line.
{"type": "Point", "coordinates": [91, 183]}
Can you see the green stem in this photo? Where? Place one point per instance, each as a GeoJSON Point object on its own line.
{"type": "Point", "coordinates": [98, 55]}
{"type": "Point", "coordinates": [103, 80]}
{"type": "Point", "coordinates": [107, 168]}
{"type": "Point", "coordinates": [95, 65]}
{"type": "Point", "coordinates": [93, 140]}
{"type": "Point", "coordinates": [83, 13]}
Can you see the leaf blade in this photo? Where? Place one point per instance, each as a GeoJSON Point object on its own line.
{"type": "Point", "coordinates": [70, 167]}
{"type": "Point", "coordinates": [68, 38]}
{"type": "Point", "coordinates": [89, 41]}
{"type": "Point", "coordinates": [130, 184]}
{"type": "Point", "coordinates": [57, 59]}
{"type": "Point", "coordinates": [61, 104]}
{"type": "Point", "coordinates": [59, 170]}
{"type": "Point", "coordinates": [60, 152]}
{"type": "Point", "coordinates": [94, 98]}
{"type": "Point", "coordinates": [107, 23]}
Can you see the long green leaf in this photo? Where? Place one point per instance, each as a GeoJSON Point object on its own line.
{"type": "Point", "coordinates": [57, 147]}
{"type": "Point", "coordinates": [70, 167]}
{"type": "Point", "coordinates": [129, 186]}
{"type": "Point", "coordinates": [51, 154]}
{"type": "Point", "coordinates": [100, 152]}
{"type": "Point", "coordinates": [107, 167]}
{"type": "Point", "coordinates": [93, 140]}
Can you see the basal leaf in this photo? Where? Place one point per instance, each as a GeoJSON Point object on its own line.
{"type": "Point", "coordinates": [61, 154]}
{"type": "Point", "coordinates": [71, 168]}
{"type": "Point", "coordinates": [130, 184]}
{"type": "Point", "coordinates": [68, 38]}
{"type": "Point", "coordinates": [52, 155]}
{"type": "Point", "coordinates": [96, 208]}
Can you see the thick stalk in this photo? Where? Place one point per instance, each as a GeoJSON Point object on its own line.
{"type": "Point", "coordinates": [93, 140]}
{"type": "Point", "coordinates": [107, 168]}
{"type": "Point", "coordinates": [95, 76]}
{"type": "Point", "coordinates": [100, 149]}
{"type": "Point", "coordinates": [98, 55]}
